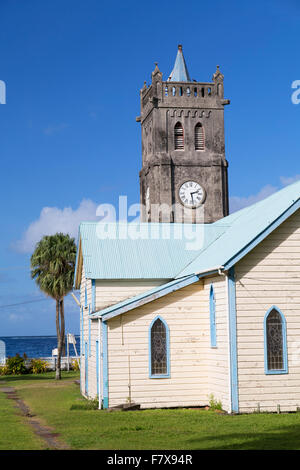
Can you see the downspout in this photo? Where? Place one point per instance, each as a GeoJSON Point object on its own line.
{"type": "Point", "coordinates": [222, 273]}
{"type": "Point", "coordinates": [99, 364]}
{"type": "Point", "coordinates": [232, 339]}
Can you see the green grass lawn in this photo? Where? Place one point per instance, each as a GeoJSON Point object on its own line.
{"type": "Point", "coordinates": [14, 432]}
{"type": "Point", "coordinates": [60, 405]}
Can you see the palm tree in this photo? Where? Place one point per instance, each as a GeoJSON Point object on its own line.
{"type": "Point", "coordinates": [52, 267]}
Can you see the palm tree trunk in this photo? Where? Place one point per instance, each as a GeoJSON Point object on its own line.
{"type": "Point", "coordinates": [59, 345]}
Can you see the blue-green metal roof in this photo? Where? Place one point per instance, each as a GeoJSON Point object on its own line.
{"type": "Point", "coordinates": [245, 229]}
{"type": "Point", "coordinates": [141, 251]}
{"type": "Point", "coordinates": [180, 72]}
{"type": "Point", "coordinates": [157, 251]}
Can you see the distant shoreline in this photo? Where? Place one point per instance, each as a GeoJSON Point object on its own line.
{"type": "Point", "coordinates": [34, 336]}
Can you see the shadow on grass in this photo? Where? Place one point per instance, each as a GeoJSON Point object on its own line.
{"type": "Point", "coordinates": [283, 438]}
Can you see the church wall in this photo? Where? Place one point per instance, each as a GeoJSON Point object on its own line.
{"type": "Point", "coordinates": [267, 276]}
{"type": "Point", "coordinates": [92, 372]}
{"type": "Point", "coordinates": [196, 370]}
{"type": "Point", "coordinates": [88, 284]}
{"type": "Point", "coordinates": [107, 292]}
{"type": "Point", "coordinates": [217, 358]}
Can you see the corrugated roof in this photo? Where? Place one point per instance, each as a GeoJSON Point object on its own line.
{"type": "Point", "coordinates": [131, 251]}
{"type": "Point", "coordinates": [244, 227]}
{"type": "Point", "coordinates": [141, 251]}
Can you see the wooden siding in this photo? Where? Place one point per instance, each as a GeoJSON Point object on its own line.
{"type": "Point", "coordinates": [88, 284]}
{"type": "Point", "coordinates": [107, 292]}
{"type": "Point", "coordinates": [110, 292]}
{"type": "Point", "coordinates": [196, 370]}
{"type": "Point", "coordinates": [267, 276]}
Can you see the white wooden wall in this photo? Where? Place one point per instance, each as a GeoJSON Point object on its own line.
{"type": "Point", "coordinates": [217, 358]}
{"type": "Point", "coordinates": [196, 369]}
{"type": "Point", "coordinates": [108, 292]}
{"type": "Point", "coordinates": [88, 284]}
{"type": "Point", "coordinates": [267, 276]}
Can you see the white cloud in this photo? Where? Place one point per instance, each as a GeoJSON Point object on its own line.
{"type": "Point", "coordinates": [53, 220]}
{"type": "Point", "coordinates": [236, 203]}
{"type": "Point", "coordinates": [285, 180]}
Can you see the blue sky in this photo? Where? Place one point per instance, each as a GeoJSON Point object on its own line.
{"type": "Point", "coordinates": [69, 140]}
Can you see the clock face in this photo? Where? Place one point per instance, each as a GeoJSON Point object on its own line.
{"type": "Point", "coordinates": [191, 194]}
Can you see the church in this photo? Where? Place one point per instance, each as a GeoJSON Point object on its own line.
{"type": "Point", "coordinates": [191, 303]}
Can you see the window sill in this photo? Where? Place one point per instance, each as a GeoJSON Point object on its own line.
{"type": "Point", "coordinates": [163, 376]}
{"type": "Point", "coordinates": [276, 372]}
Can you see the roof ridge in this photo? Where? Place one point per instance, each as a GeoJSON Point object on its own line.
{"type": "Point", "coordinates": [199, 254]}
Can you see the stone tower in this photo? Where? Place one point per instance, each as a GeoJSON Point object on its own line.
{"type": "Point", "coordinates": [184, 172]}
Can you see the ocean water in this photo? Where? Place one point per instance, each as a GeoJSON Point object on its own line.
{"type": "Point", "coordinates": [34, 346]}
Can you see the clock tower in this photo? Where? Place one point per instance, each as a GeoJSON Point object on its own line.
{"type": "Point", "coordinates": [184, 170]}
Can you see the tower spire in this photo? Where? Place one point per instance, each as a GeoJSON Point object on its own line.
{"type": "Point", "coordinates": [180, 72]}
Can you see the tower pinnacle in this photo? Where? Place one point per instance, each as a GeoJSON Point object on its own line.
{"type": "Point", "coordinates": [180, 72]}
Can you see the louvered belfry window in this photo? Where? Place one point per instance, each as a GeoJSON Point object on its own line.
{"type": "Point", "coordinates": [275, 341]}
{"type": "Point", "coordinates": [199, 137]}
{"type": "Point", "coordinates": [178, 136]}
{"type": "Point", "coordinates": [158, 348]}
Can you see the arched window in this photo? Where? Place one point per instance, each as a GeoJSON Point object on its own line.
{"type": "Point", "coordinates": [178, 137]}
{"type": "Point", "coordinates": [212, 317]}
{"type": "Point", "coordinates": [275, 342]}
{"type": "Point", "coordinates": [159, 348]}
{"type": "Point", "coordinates": [199, 137]}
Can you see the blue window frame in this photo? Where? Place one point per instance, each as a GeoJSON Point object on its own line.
{"type": "Point", "coordinates": [212, 317]}
{"type": "Point", "coordinates": [159, 349]}
{"type": "Point", "coordinates": [276, 361]}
